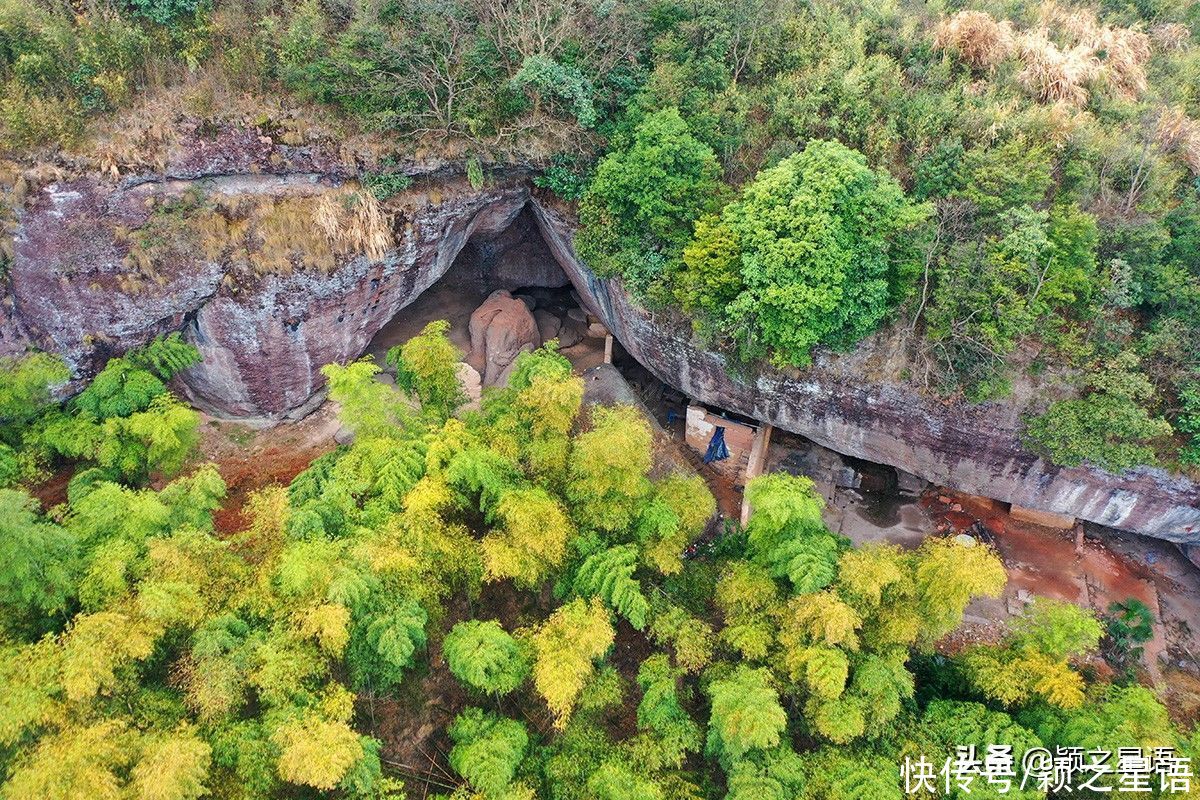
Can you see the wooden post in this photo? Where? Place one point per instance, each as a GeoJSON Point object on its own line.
{"type": "Point", "coordinates": [756, 462]}
{"type": "Point", "coordinates": [608, 339]}
{"type": "Point", "coordinates": [758, 451]}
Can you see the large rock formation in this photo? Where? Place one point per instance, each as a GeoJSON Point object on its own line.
{"type": "Point", "coordinates": [501, 329]}
{"type": "Point", "coordinates": [265, 337]}
{"type": "Point", "coordinates": [972, 448]}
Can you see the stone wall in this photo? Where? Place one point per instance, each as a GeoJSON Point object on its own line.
{"type": "Point", "coordinates": [701, 425]}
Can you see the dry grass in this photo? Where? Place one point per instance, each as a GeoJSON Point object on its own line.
{"type": "Point", "coordinates": [13, 189]}
{"type": "Point", "coordinates": [145, 135]}
{"type": "Point", "coordinates": [1053, 75]}
{"type": "Point", "coordinates": [274, 236]}
{"type": "Point", "coordinates": [355, 223]}
{"type": "Point", "coordinates": [1171, 36]}
{"type": "Point", "coordinates": [1068, 55]}
{"type": "Point", "coordinates": [1120, 54]}
{"type": "Point", "coordinates": [1057, 123]}
{"type": "Point", "coordinates": [1178, 133]}
{"type": "Point", "coordinates": [1078, 24]}
{"type": "Point", "coordinates": [258, 235]}
{"type": "Point", "coordinates": [1126, 52]}
{"type": "Point", "coordinates": [976, 37]}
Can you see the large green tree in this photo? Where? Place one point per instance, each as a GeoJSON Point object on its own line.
{"type": "Point", "coordinates": [814, 250]}
{"type": "Point", "coordinates": [38, 560]}
{"type": "Point", "coordinates": [638, 211]}
{"type": "Point", "coordinates": [487, 749]}
{"type": "Point", "coordinates": [426, 368]}
{"type": "Point", "coordinates": [746, 714]}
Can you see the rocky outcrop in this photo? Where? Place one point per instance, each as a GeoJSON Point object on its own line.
{"type": "Point", "coordinates": [472, 385]}
{"type": "Point", "coordinates": [14, 340]}
{"type": "Point", "coordinates": [71, 290]}
{"type": "Point", "coordinates": [972, 448]}
{"type": "Point", "coordinates": [548, 324]}
{"type": "Point", "coordinates": [521, 257]}
{"type": "Point", "coordinates": [501, 329]}
{"type": "Point", "coordinates": [263, 348]}
{"type": "Point", "coordinates": [265, 338]}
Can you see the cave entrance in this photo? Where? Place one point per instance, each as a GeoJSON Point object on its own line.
{"type": "Point", "coordinates": [518, 261]}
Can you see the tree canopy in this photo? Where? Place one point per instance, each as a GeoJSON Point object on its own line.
{"type": "Point", "coordinates": [808, 255]}
{"type": "Point", "coordinates": [143, 654]}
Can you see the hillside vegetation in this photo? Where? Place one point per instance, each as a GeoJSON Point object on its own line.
{"type": "Point", "coordinates": [1010, 188]}
{"type": "Point", "coordinates": [530, 556]}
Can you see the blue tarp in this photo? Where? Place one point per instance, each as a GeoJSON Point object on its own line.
{"type": "Point", "coordinates": [717, 451]}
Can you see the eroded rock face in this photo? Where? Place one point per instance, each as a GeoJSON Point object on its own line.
{"type": "Point", "coordinates": [263, 338]}
{"type": "Point", "coordinates": [13, 338]}
{"type": "Point", "coordinates": [264, 341]}
{"type": "Point", "coordinates": [521, 258]}
{"type": "Point", "coordinates": [72, 292]}
{"type": "Point", "coordinates": [501, 329]}
{"type": "Point", "coordinates": [972, 448]}
{"type": "Point", "coordinates": [263, 348]}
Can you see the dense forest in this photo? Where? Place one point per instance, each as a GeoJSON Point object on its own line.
{"type": "Point", "coordinates": [538, 552]}
{"type": "Point", "coordinates": [1010, 192]}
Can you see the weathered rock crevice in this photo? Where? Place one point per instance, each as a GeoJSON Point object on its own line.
{"type": "Point", "coordinates": [264, 341]}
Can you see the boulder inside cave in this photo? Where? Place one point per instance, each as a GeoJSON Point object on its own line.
{"type": "Point", "coordinates": [503, 294]}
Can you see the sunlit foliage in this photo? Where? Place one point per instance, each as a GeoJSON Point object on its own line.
{"type": "Point", "coordinates": [566, 647]}
{"type": "Point", "coordinates": [145, 656]}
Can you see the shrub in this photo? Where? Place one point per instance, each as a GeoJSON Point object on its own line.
{"type": "Point", "coordinates": [29, 121]}
{"type": "Point", "coordinates": [1107, 427]}
{"type": "Point", "coordinates": [546, 76]}
{"type": "Point", "coordinates": [386, 183]}
{"type": "Point", "coordinates": [637, 214]}
{"type": "Point", "coordinates": [1188, 421]}
{"type": "Point", "coordinates": [565, 177]}
{"type": "Point", "coordinates": [165, 12]}
{"type": "Point", "coordinates": [1129, 625]}
{"type": "Point", "coordinates": [426, 368]}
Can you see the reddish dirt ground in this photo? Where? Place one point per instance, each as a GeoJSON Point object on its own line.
{"type": "Point", "coordinates": [726, 492]}
{"type": "Point", "coordinates": [53, 490]}
{"type": "Point", "coordinates": [250, 459]}
{"type": "Point", "coordinates": [1109, 567]}
{"type": "Point", "coordinates": [412, 724]}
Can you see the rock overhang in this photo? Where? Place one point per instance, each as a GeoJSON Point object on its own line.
{"type": "Point", "coordinates": [263, 344]}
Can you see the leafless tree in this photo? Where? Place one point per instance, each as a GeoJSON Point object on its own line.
{"type": "Point", "coordinates": [433, 58]}
{"type": "Point", "coordinates": [604, 33]}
